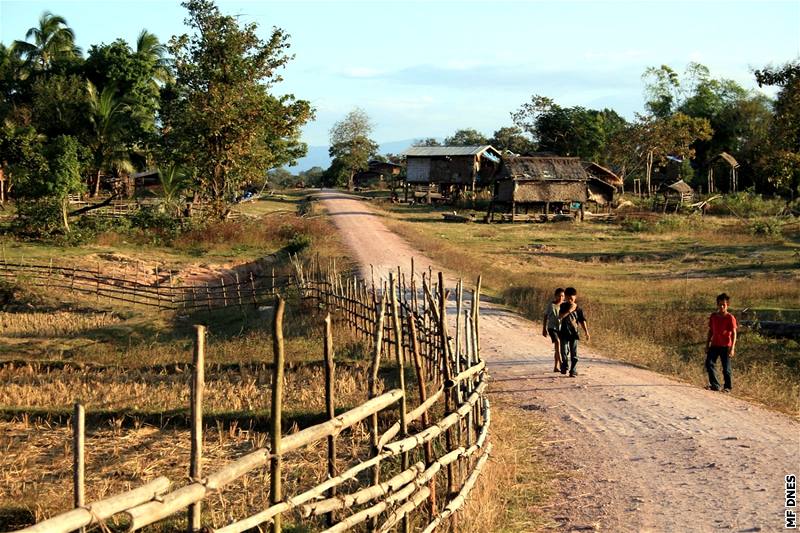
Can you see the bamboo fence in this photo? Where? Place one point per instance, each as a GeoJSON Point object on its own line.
{"type": "Point", "coordinates": [428, 446]}
{"type": "Point", "coordinates": [164, 295]}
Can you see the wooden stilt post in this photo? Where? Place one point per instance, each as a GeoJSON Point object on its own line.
{"type": "Point", "coordinates": [78, 458]}
{"type": "Point", "coordinates": [198, 386]}
{"type": "Point", "coordinates": [275, 493]}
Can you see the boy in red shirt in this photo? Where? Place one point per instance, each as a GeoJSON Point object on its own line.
{"type": "Point", "coordinates": [721, 343]}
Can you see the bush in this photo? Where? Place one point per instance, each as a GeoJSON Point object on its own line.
{"type": "Point", "coordinates": [747, 204]}
{"type": "Point", "coordinates": [38, 218]}
{"type": "Point", "coordinates": [767, 227]}
{"type": "Point", "coordinates": [298, 243]}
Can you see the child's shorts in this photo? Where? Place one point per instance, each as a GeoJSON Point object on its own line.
{"type": "Point", "coordinates": [553, 334]}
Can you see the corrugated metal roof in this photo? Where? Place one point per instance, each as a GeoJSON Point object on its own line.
{"type": "Point", "coordinates": [431, 151]}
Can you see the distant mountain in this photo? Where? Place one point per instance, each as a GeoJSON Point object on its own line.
{"type": "Point", "coordinates": [317, 156]}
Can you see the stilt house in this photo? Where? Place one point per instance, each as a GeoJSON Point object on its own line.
{"type": "Point", "coordinates": [544, 185]}
{"type": "Point", "coordinates": [451, 167]}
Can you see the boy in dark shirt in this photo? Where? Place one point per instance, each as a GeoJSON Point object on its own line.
{"type": "Point", "coordinates": [721, 343]}
{"type": "Point", "coordinates": [571, 315]}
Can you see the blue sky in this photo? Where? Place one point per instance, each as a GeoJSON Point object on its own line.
{"type": "Point", "coordinates": [425, 69]}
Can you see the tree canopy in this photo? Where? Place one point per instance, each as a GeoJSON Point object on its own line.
{"type": "Point", "coordinates": [351, 145]}
{"type": "Point", "coordinates": [218, 117]}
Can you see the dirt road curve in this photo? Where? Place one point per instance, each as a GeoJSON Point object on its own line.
{"type": "Point", "coordinates": [647, 453]}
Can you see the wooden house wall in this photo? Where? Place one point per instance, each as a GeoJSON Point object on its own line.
{"type": "Point", "coordinates": [418, 169]}
{"type": "Point", "coordinates": [456, 170]}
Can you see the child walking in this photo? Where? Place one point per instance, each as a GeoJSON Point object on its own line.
{"type": "Point", "coordinates": [551, 324]}
{"type": "Point", "coordinates": [571, 315]}
{"type": "Point", "coordinates": [721, 343]}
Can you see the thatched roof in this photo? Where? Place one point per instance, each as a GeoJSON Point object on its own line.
{"type": "Point", "coordinates": [728, 158]}
{"type": "Point", "coordinates": [681, 187]}
{"type": "Point", "coordinates": [542, 168]}
{"type": "Point", "coordinates": [602, 173]}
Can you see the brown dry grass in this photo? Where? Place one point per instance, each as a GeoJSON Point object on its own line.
{"type": "Point", "coordinates": [36, 470]}
{"type": "Point", "coordinates": [514, 486]}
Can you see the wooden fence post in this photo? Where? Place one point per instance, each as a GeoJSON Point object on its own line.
{"type": "Point", "coordinates": [223, 289]}
{"type": "Point", "coordinates": [373, 392]}
{"type": "Point", "coordinates": [275, 493]}
{"type": "Point", "coordinates": [447, 376]}
{"type": "Point", "coordinates": [398, 352]}
{"type": "Point", "coordinates": [329, 402]}
{"type": "Point", "coordinates": [78, 458]}
{"type": "Point", "coordinates": [476, 299]}
{"type": "Point", "coordinates": [198, 386]}
{"type": "Point", "coordinates": [423, 396]}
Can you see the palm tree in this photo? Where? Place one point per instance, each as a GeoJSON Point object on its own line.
{"type": "Point", "coordinates": [148, 47]}
{"type": "Point", "coordinates": [174, 182]}
{"type": "Point", "coordinates": [107, 116]}
{"type": "Point", "coordinates": [52, 40]}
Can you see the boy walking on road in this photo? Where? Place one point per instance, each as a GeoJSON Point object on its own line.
{"type": "Point", "coordinates": [571, 315]}
{"type": "Point", "coordinates": [721, 343]}
{"type": "Point", "coordinates": [552, 324]}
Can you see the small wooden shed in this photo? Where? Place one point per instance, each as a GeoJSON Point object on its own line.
{"type": "Point", "coordinates": [543, 184]}
{"type": "Point", "coordinates": [451, 167]}
{"type": "Point", "coordinates": [673, 196]}
{"type": "Point", "coordinates": [602, 185]}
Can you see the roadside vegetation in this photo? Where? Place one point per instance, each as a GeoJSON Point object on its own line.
{"type": "Point", "coordinates": [647, 282]}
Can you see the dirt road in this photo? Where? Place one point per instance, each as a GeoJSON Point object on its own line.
{"type": "Point", "coordinates": [645, 453]}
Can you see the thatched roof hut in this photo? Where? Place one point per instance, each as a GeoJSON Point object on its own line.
{"type": "Point", "coordinates": [539, 183]}
{"type": "Point", "coordinates": [602, 184]}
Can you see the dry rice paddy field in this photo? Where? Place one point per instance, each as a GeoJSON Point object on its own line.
{"type": "Point", "coordinates": [131, 366]}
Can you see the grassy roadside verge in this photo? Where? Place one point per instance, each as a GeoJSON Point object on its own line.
{"type": "Point", "coordinates": [647, 286]}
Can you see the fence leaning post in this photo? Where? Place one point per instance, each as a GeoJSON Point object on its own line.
{"type": "Point", "coordinates": [198, 385]}
{"type": "Point", "coordinates": [398, 352]}
{"type": "Point", "coordinates": [253, 288]}
{"type": "Point", "coordinates": [238, 289]}
{"type": "Point", "coordinates": [373, 392]}
{"type": "Point", "coordinates": [78, 458]}
{"type": "Point", "coordinates": [329, 402]}
{"type": "Point", "coordinates": [423, 396]}
{"type": "Point", "coordinates": [275, 493]}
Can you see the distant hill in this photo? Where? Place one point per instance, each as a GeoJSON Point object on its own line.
{"type": "Point", "coordinates": [317, 156]}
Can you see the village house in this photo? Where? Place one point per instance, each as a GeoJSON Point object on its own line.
{"type": "Point", "coordinates": [546, 185]}
{"type": "Point", "coordinates": [451, 168]}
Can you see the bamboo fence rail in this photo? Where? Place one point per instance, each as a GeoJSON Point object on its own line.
{"type": "Point", "coordinates": [426, 449]}
{"type": "Point", "coordinates": [163, 295]}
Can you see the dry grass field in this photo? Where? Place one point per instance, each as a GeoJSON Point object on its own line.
{"type": "Point", "coordinates": [647, 283]}
{"type": "Point", "coordinates": [130, 366]}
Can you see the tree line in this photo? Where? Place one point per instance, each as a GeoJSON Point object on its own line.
{"type": "Point", "coordinates": [201, 108]}
{"type": "Point", "coordinates": [689, 119]}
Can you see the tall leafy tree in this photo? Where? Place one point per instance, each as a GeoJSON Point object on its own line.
{"type": "Point", "coordinates": [52, 40]}
{"type": "Point", "coordinates": [108, 121]}
{"type": "Point", "coordinates": [351, 145]}
{"type": "Point", "coordinates": [568, 131]}
{"type": "Point", "coordinates": [218, 117]}
{"type": "Point", "coordinates": [56, 178]}
{"type": "Point", "coordinates": [466, 137]}
{"type": "Point", "coordinates": [781, 156]}
{"type": "Point", "coordinates": [513, 139]}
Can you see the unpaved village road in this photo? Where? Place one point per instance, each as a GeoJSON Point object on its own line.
{"type": "Point", "coordinates": [645, 453]}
